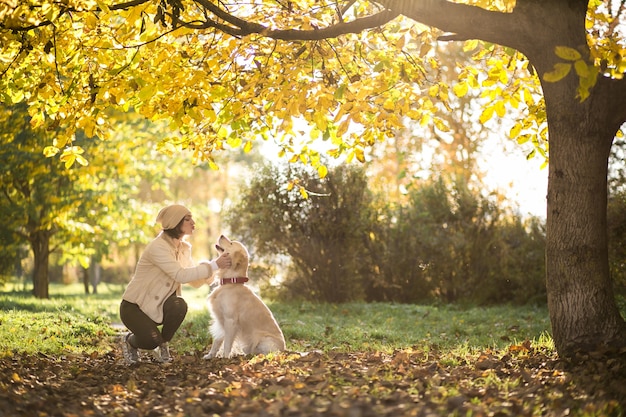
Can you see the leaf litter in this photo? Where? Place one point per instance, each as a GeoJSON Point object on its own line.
{"type": "Point", "coordinates": [420, 381]}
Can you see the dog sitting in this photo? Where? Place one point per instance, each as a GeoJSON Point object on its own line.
{"type": "Point", "coordinates": [239, 316]}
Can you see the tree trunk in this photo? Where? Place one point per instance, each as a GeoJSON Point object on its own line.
{"type": "Point", "coordinates": [40, 242]}
{"type": "Point", "coordinates": [95, 274]}
{"type": "Point", "coordinates": [85, 273]}
{"type": "Point", "coordinates": [583, 311]}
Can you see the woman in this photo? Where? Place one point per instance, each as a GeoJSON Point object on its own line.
{"type": "Point", "coordinates": [152, 297]}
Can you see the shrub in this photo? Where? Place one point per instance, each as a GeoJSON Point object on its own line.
{"type": "Point", "coordinates": [445, 243]}
{"type": "Point", "coordinates": [321, 234]}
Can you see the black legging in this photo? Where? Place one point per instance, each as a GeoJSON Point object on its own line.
{"type": "Point", "coordinates": [145, 333]}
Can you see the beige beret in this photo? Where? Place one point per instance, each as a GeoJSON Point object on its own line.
{"type": "Point", "coordinates": [170, 216]}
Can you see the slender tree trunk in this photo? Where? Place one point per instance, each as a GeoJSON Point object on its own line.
{"type": "Point", "coordinates": [40, 242]}
{"type": "Point", "coordinates": [583, 311]}
{"type": "Point", "coordinates": [95, 272]}
{"type": "Point", "coordinates": [85, 273]}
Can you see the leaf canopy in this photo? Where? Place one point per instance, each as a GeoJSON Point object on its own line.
{"type": "Point", "coordinates": [226, 76]}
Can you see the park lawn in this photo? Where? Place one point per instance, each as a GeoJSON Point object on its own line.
{"type": "Point", "coordinates": [61, 357]}
{"type": "Point", "coordinates": [71, 321]}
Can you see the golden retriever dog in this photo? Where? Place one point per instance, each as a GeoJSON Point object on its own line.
{"type": "Point", "coordinates": [239, 319]}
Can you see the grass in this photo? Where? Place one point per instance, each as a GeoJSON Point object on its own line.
{"type": "Point", "coordinates": [72, 322]}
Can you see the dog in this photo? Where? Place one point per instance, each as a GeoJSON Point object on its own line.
{"type": "Point", "coordinates": [239, 318]}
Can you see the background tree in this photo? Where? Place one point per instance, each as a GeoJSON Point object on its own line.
{"type": "Point", "coordinates": [243, 79]}
{"type": "Point", "coordinates": [81, 210]}
{"type": "Point", "coordinates": [38, 196]}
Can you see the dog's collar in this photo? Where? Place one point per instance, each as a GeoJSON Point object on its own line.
{"type": "Point", "coordinates": [237, 280]}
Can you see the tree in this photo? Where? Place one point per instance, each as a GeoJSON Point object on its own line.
{"type": "Point", "coordinates": [228, 75]}
{"type": "Point", "coordinates": [36, 195]}
{"type": "Point", "coordinates": [78, 210]}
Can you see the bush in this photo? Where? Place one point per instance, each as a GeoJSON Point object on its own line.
{"type": "Point", "coordinates": [321, 234]}
{"type": "Point", "coordinates": [445, 243]}
{"type": "Point", "coordinates": [617, 240]}
{"type": "Point", "coordinates": [450, 244]}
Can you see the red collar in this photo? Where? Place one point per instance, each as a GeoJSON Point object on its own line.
{"type": "Point", "coordinates": [237, 280]}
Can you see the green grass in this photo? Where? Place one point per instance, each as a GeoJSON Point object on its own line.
{"type": "Point", "coordinates": [385, 327]}
{"type": "Point", "coordinates": [68, 322]}
{"type": "Point", "coordinates": [72, 322]}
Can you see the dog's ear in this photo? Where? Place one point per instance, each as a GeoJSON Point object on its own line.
{"type": "Point", "coordinates": [238, 259]}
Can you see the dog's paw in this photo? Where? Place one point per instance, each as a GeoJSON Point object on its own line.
{"type": "Point", "coordinates": [208, 356]}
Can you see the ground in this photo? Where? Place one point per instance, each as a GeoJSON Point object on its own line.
{"type": "Point", "coordinates": [523, 381]}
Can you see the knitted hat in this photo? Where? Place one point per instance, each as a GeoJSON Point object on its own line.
{"type": "Point", "coordinates": [170, 216]}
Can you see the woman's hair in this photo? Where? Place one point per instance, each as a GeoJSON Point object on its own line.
{"type": "Point", "coordinates": [176, 232]}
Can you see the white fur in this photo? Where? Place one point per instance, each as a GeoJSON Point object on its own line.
{"type": "Point", "coordinates": [240, 319]}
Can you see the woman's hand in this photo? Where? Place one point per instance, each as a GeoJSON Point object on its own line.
{"type": "Point", "coordinates": [224, 261]}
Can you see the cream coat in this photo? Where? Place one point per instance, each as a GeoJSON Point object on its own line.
{"type": "Point", "coordinates": [161, 270]}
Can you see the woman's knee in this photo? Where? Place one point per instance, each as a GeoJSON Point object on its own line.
{"type": "Point", "coordinates": [174, 310]}
{"type": "Point", "coordinates": [180, 306]}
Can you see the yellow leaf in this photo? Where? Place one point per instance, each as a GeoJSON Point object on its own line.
{"type": "Point", "coordinates": [504, 77]}
{"type": "Point", "coordinates": [91, 21]}
{"type": "Point", "coordinates": [460, 89]}
{"type": "Point", "coordinates": [103, 6]}
{"type": "Point", "coordinates": [81, 160]}
{"type": "Point", "coordinates": [322, 171]}
{"type": "Point", "coordinates": [247, 147]}
{"type": "Point", "coordinates": [439, 124]}
{"type": "Point", "coordinates": [581, 68]}
{"type": "Point", "coordinates": [335, 153]}
{"type": "Point", "coordinates": [486, 115]}
{"type": "Point", "coordinates": [303, 192]}
{"type": "Point", "coordinates": [400, 43]}
{"type": "Point", "coordinates": [583, 93]}
{"type": "Point", "coordinates": [234, 141]}
{"type": "Point", "coordinates": [49, 151]}
{"type": "Point", "coordinates": [560, 71]}
{"type": "Point", "coordinates": [69, 160]}
{"type": "Point", "coordinates": [515, 130]}
{"type": "Point", "coordinates": [389, 105]}
{"type": "Point", "coordinates": [569, 54]}
{"type": "Point", "coordinates": [470, 45]}
{"type": "Point", "coordinates": [146, 93]}
{"type": "Point", "coordinates": [500, 109]}
{"type": "Point", "coordinates": [359, 154]}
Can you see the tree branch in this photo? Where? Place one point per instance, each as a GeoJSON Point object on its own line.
{"type": "Point", "coordinates": [242, 27]}
{"type": "Point", "coordinates": [461, 20]}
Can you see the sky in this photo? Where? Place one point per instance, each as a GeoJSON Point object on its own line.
{"type": "Point", "coordinates": [521, 180]}
{"type": "Point", "coordinates": [505, 169]}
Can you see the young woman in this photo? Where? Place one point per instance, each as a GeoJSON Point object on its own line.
{"type": "Point", "coordinates": [152, 297]}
